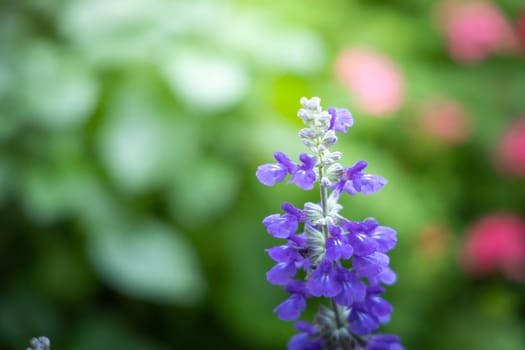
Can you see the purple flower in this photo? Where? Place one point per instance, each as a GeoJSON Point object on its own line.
{"type": "Point", "coordinates": [368, 183]}
{"type": "Point", "coordinates": [282, 226]}
{"type": "Point", "coordinates": [304, 175]}
{"type": "Point", "coordinates": [353, 289]}
{"type": "Point", "coordinates": [384, 342]}
{"type": "Point", "coordinates": [281, 273]}
{"type": "Point", "coordinates": [365, 316]}
{"type": "Point", "coordinates": [337, 246]}
{"type": "Point", "coordinates": [359, 238]}
{"type": "Point", "coordinates": [361, 321]}
{"type": "Point", "coordinates": [291, 210]}
{"type": "Point", "coordinates": [356, 180]}
{"type": "Point", "coordinates": [269, 174]}
{"type": "Point", "coordinates": [341, 119]}
{"type": "Point", "coordinates": [378, 306]}
{"type": "Point", "coordinates": [386, 276]}
{"type": "Point", "coordinates": [385, 237]}
{"type": "Point", "coordinates": [307, 339]}
{"type": "Point", "coordinates": [323, 281]}
{"type": "Point", "coordinates": [284, 253]}
{"type": "Point", "coordinates": [371, 265]}
{"type": "Point", "coordinates": [288, 259]}
{"type": "Point", "coordinates": [291, 308]}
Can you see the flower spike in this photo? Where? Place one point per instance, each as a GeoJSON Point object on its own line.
{"type": "Point", "coordinates": [319, 239]}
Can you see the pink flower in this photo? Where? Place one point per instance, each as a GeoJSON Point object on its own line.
{"type": "Point", "coordinates": [510, 153]}
{"type": "Point", "coordinates": [445, 120]}
{"type": "Point", "coordinates": [496, 243]}
{"type": "Point", "coordinates": [475, 29]}
{"type": "Point", "coordinates": [373, 79]}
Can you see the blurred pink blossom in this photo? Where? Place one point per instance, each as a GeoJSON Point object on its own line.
{"type": "Point", "coordinates": [475, 29]}
{"type": "Point", "coordinates": [520, 27]}
{"type": "Point", "coordinates": [496, 243]}
{"type": "Point", "coordinates": [445, 120]}
{"type": "Point", "coordinates": [510, 152]}
{"type": "Point", "coordinates": [373, 79]}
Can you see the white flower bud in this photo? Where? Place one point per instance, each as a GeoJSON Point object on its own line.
{"type": "Point", "coordinates": [329, 139]}
{"type": "Point", "coordinates": [331, 157]}
{"type": "Point", "coordinates": [313, 104]}
{"type": "Point", "coordinates": [314, 213]}
{"type": "Point", "coordinates": [316, 244]}
{"type": "Point", "coordinates": [305, 115]}
{"type": "Point", "coordinates": [334, 173]}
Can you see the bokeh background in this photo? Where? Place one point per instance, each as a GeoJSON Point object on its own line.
{"type": "Point", "coordinates": [130, 131]}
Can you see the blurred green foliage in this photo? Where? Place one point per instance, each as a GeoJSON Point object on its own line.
{"type": "Point", "coordinates": [130, 131]}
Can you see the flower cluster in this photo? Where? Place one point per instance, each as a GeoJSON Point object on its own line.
{"type": "Point", "coordinates": [326, 255]}
{"type": "Point", "coordinates": [40, 343]}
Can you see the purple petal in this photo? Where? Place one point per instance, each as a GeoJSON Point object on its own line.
{"type": "Point", "coordinates": [385, 237]}
{"type": "Point", "coordinates": [341, 119]}
{"type": "Point", "coordinates": [297, 287]}
{"type": "Point", "coordinates": [353, 289]}
{"type": "Point", "coordinates": [292, 210]}
{"type": "Point", "coordinates": [291, 308]}
{"type": "Point", "coordinates": [269, 174]}
{"type": "Point", "coordinates": [308, 161]}
{"type": "Point", "coordinates": [335, 231]}
{"type": "Point", "coordinates": [386, 276]}
{"type": "Point", "coordinates": [363, 244]}
{"type": "Point", "coordinates": [353, 226]}
{"type": "Point", "coordinates": [299, 341]}
{"type": "Point", "coordinates": [361, 321]}
{"type": "Point", "coordinates": [368, 183]}
{"type": "Point", "coordinates": [371, 265]}
{"type": "Point", "coordinates": [356, 180]}
{"type": "Point", "coordinates": [348, 187]}
{"type": "Point", "coordinates": [384, 342]}
{"type": "Point", "coordinates": [382, 309]}
{"type": "Point", "coordinates": [305, 327]}
{"type": "Point", "coordinates": [281, 226]}
{"type": "Point", "coordinates": [308, 339]}
{"type": "Point", "coordinates": [357, 168]}
{"type": "Point", "coordinates": [323, 281]}
{"type": "Point", "coordinates": [376, 305]}
{"type": "Point", "coordinates": [283, 253]}
{"type": "Point", "coordinates": [281, 273]}
{"type": "Point", "coordinates": [304, 179]}
{"type": "Point", "coordinates": [338, 248]}
{"type": "Point", "coordinates": [298, 241]}
{"type": "Point", "coordinates": [369, 225]}
{"type": "Point", "coordinates": [285, 162]}
{"type": "Point", "coordinates": [358, 237]}
{"type": "Point", "coordinates": [304, 176]}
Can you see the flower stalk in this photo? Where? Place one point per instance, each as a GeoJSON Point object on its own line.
{"type": "Point", "coordinates": [326, 240]}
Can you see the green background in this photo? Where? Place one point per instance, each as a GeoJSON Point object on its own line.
{"type": "Point", "coordinates": [130, 131]}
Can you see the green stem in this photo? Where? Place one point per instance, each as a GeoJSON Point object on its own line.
{"type": "Point", "coordinates": [324, 228]}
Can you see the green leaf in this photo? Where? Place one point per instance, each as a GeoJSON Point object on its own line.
{"type": "Point", "coordinates": [206, 82]}
{"type": "Point", "coordinates": [58, 90]}
{"type": "Point", "coordinates": [149, 261]}
{"type": "Point", "coordinates": [203, 191]}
